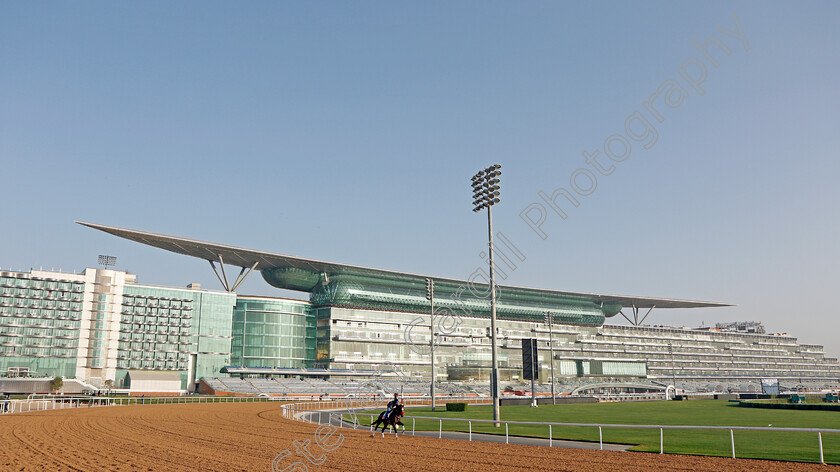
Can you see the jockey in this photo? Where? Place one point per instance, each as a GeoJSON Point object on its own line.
{"type": "Point", "coordinates": [391, 405]}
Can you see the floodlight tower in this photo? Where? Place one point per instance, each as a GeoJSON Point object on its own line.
{"type": "Point", "coordinates": [549, 320]}
{"type": "Point", "coordinates": [485, 186]}
{"type": "Point", "coordinates": [430, 295]}
{"type": "Point", "coordinates": [673, 367]}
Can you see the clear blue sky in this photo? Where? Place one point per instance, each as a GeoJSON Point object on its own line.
{"type": "Point", "coordinates": [348, 132]}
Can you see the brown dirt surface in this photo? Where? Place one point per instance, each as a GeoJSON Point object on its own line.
{"type": "Point", "coordinates": [248, 437]}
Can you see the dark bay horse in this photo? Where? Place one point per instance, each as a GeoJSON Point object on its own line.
{"type": "Point", "coordinates": [393, 420]}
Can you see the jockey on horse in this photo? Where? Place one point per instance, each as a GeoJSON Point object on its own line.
{"type": "Point", "coordinates": [390, 417]}
{"type": "Point", "coordinates": [391, 405]}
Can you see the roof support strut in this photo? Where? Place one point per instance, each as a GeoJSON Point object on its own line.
{"type": "Point", "coordinates": [646, 314]}
{"type": "Point", "coordinates": [222, 280]}
{"type": "Point", "coordinates": [230, 288]}
{"type": "Point", "coordinates": [240, 278]}
{"type": "Point", "coordinates": [636, 321]}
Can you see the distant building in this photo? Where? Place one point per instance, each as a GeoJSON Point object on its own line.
{"type": "Point", "coordinates": [98, 325]}
{"type": "Point", "coordinates": [362, 319]}
{"type": "Point", "coordinates": [102, 326]}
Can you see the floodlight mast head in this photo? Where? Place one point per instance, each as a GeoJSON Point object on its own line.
{"type": "Point", "coordinates": [430, 289]}
{"type": "Point", "coordinates": [107, 260]}
{"type": "Point", "coordinates": [486, 188]}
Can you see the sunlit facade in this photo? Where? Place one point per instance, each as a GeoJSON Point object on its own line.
{"type": "Point", "coordinates": [272, 332]}
{"type": "Point", "coordinates": [98, 325]}
{"type": "Point", "coordinates": [365, 339]}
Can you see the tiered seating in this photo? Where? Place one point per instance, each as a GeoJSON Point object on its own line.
{"type": "Point", "coordinates": [455, 388]}
{"type": "Point", "coordinates": [215, 384]}
{"type": "Point", "coordinates": [356, 387]}
{"type": "Point", "coordinates": [297, 387]}
{"type": "Point", "coordinates": [235, 385]}
{"type": "Point", "coordinates": [269, 386]}
{"type": "Point", "coordinates": [320, 386]}
{"type": "Point", "coordinates": [481, 388]}
{"type": "Point", "coordinates": [387, 385]}
{"type": "Point", "coordinates": [416, 387]}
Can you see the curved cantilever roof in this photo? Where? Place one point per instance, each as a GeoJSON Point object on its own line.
{"type": "Point", "coordinates": [268, 260]}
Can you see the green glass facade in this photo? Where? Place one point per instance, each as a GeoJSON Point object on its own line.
{"type": "Point", "coordinates": [40, 320]}
{"type": "Point", "coordinates": [155, 330]}
{"type": "Point", "coordinates": [162, 327]}
{"type": "Point", "coordinates": [212, 331]}
{"type": "Point", "coordinates": [407, 293]}
{"type": "Point", "coordinates": [98, 325]}
{"type": "Point", "coordinates": [272, 332]}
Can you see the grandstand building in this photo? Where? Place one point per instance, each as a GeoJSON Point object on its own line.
{"type": "Point", "coordinates": [361, 323]}
{"type": "Point", "coordinates": [100, 325]}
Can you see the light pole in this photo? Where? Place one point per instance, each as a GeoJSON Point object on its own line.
{"type": "Point", "coordinates": [485, 186]}
{"type": "Point", "coordinates": [673, 367]}
{"type": "Point", "coordinates": [549, 318]}
{"type": "Point", "coordinates": [430, 295]}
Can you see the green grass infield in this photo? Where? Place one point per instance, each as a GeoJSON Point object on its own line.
{"type": "Point", "coordinates": [773, 445]}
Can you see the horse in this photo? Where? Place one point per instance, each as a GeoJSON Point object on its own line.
{"type": "Point", "coordinates": [393, 420]}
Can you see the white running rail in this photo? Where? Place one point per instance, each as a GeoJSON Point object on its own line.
{"type": "Point", "coordinates": [292, 411]}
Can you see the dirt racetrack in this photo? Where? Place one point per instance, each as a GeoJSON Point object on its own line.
{"type": "Point", "coordinates": [248, 437]}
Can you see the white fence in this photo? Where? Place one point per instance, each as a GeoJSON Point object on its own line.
{"type": "Point", "coordinates": [60, 402]}
{"type": "Point", "coordinates": [291, 411]}
{"type": "Point", "coordinates": [340, 406]}
{"type": "Point", "coordinates": [661, 429]}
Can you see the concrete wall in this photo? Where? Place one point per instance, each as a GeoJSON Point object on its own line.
{"type": "Point", "coordinates": [25, 386]}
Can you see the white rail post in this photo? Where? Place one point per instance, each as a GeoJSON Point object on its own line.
{"type": "Point", "coordinates": [506, 433]}
{"type": "Point", "coordinates": [412, 426]}
{"type": "Point", "coordinates": [661, 441]}
{"type": "Point", "coordinates": [470, 422]}
{"type": "Point", "coordinates": [440, 429]}
{"type": "Point", "coordinates": [550, 436]}
{"type": "Point", "coordinates": [822, 459]}
{"type": "Point", "coordinates": [732, 437]}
